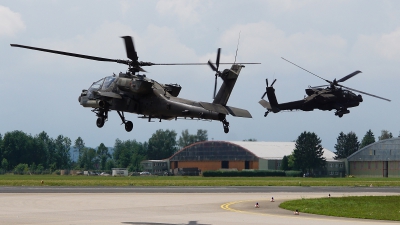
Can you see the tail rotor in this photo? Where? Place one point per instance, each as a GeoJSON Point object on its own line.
{"type": "Point", "coordinates": [266, 88]}
{"type": "Point", "coordinates": [215, 69]}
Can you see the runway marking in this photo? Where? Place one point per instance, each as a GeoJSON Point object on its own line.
{"type": "Point", "coordinates": [227, 207]}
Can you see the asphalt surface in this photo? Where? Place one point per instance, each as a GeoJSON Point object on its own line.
{"type": "Point", "coordinates": [170, 205]}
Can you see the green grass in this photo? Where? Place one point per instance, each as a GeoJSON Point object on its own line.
{"type": "Point", "coordinates": [365, 207]}
{"type": "Point", "coordinates": [55, 180]}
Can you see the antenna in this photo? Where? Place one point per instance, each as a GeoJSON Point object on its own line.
{"type": "Point", "coordinates": [237, 47]}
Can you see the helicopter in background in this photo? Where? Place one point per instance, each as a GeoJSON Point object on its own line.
{"type": "Point", "coordinates": [333, 97]}
{"type": "Point", "coordinates": [133, 92]}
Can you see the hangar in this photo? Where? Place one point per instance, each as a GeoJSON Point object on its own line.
{"type": "Point", "coordinates": [215, 155]}
{"type": "Point", "coordinates": [379, 159]}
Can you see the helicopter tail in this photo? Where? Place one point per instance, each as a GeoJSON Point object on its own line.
{"type": "Point", "coordinates": [229, 76]}
{"type": "Point", "coordinates": [272, 105]}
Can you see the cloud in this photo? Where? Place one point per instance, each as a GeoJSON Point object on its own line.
{"type": "Point", "coordinates": [388, 45]}
{"type": "Point", "coordinates": [264, 40]}
{"type": "Point", "coordinates": [10, 22]}
{"type": "Point", "coordinates": [186, 11]}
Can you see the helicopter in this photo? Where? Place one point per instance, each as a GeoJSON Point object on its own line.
{"type": "Point", "coordinates": [333, 96]}
{"type": "Point", "coordinates": [133, 92]}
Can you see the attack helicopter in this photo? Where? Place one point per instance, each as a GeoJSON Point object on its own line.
{"type": "Point", "coordinates": [133, 92]}
{"type": "Point", "coordinates": [333, 96]}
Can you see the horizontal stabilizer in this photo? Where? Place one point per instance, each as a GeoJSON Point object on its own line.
{"type": "Point", "coordinates": [214, 107]}
{"type": "Point", "coordinates": [238, 112]}
{"type": "Point", "coordinates": [268, 106]}
{"type": "Point", "coordinates": [265, 104]}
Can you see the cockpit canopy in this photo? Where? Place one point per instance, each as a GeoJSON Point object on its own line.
{"type": "Point", "coordinates": [104, 84]}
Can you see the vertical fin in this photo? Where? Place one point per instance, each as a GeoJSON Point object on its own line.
{"type": "Point", "coordinates": [229, 76]}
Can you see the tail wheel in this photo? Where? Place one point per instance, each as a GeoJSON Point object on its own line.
{"type": "Point", "coordinates": [226, 130]}
{"type": "Point", "coordinates": [100, 122]}
{"type": "Point", "coordinates": [128, 126]}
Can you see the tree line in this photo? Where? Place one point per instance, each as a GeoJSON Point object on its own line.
{"type": "Point", "coordinates": [23, 152]}
{"type": "Point", "coordinates": [308, 153]}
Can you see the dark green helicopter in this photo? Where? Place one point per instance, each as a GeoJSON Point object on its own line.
{"type": "Point", "coordinates": [334, 96]}
{"type": "Point", "coordinates": [133, 92]}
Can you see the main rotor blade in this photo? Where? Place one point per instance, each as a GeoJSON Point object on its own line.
{"type": "Point", "coordinates": [365, 93]}
{"type": "Point", "coordinates": [130, 49]}
{"type": "Point", "coordinates": [218, 55]}
{"type": "Point", "coordinates": [71, 54]}
{"type": "Point", "coordinates": [307, 70]}
{"type": "Point", "coordinates": [192, 64]}
{"type": "Point", "coordinates": [349, 76]}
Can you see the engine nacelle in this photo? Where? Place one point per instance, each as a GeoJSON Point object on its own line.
{"type": "Point", "coordinates": [135, 85]}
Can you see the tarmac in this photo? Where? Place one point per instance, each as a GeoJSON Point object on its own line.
{"type": "Point", "coordinates": [169, 206]}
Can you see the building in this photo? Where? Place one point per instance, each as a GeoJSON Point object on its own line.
{"type": "Point", "coordinates": [155, 167]}
{"type": "Point", "coordinates": [239, 155]}
{"type": "Point", "coordinates": [380, 159]}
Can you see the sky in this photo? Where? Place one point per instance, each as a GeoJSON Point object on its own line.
{"type": "Point", "coordinates": [329, 38]}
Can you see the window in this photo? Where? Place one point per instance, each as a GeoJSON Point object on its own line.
{"type": "Point", "coordinates": [341, 165]}
{"type": "Point", "coordinates": [330, 165]}
{"type": "Point", "coordinates": [330, 172]}
{"type": "Point", "coordinates": [336, 165]}
{"type": "Point", "coordinates": [336, 173]}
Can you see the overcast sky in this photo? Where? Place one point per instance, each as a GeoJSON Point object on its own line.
{"type": "Point", "coordinates": [39, 91]}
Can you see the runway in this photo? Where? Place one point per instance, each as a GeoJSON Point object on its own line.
{"type": "Point", "coordinates": [168, 206]}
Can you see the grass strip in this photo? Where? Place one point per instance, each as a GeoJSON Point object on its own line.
{"type": "Point", "coordinates": [57, 180]}
{"type": "Point", "coordinates": [365, 207]}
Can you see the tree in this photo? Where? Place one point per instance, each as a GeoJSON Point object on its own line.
{"type": "Point", "coordinates": [385, 134]}
{"type": "Point", "coordinates": [285, 163]}
{"type": "Point", "coordinates": [187, 139]}
{"type": "Point", "coordinates": [4, 164]}
{"type": "Point", "coordinates": [202, 135]}
{"type": "Point", "coordinates": [1, 146]}
{"type": "Point", "coordinates": [129, 154]}
{"type": "Point", "coordinates": [308, 152]}
{"type": "Point", "coordinates": [368, 139]}
{"type": "Point", "coordinates": [291, 162]}
{"type": "Point", "coordinates": [162, 144]}
{"type": "Point", "coordinates": [346, 145]}
{"type": "Point", "coordinates": [16, 148]}
{"type": "Point", "coordinates": [103, 155]}
{"type": "Point", "coordinates": [87, 158]}
{"type": "Point", "coordinates": [62, 146]}
{"type": "Point", "coordinates": [79, 145]}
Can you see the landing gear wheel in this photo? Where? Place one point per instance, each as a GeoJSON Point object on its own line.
{"type": "Point", "coordinates": [266, 114]}
{"type": "Point", "coordinates": [226, 125]}
{"type": "Point", "coordinates": [226, 130]}
{"type": "Point", "coordinates": [340, 115]}
{"type": "Point", "coordinates": [100, 122]}
{"type": "Point", "coordinates": [128, 126]}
